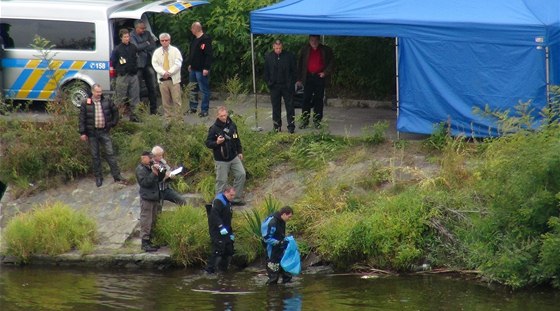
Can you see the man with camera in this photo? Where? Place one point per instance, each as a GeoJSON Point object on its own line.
{"type": "Point", "coordinates": [224, 141]}
{"type": "Point", "coordinates": [148, 175]}
{"type": "Point", "coordinates": [167, 193]}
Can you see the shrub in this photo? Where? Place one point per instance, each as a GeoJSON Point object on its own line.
{"type": "Point", "coordinates": [49, 230]}
{"type": "Point", "coordinates": [185, 230]}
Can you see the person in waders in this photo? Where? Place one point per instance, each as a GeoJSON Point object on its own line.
{"type": "Point", "coordinates": [221, 232]}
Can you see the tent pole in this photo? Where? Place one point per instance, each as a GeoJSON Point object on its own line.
{"type": "Point", "coordinates": [397, 81]}
{"type": "Point", "coordinates": [257, 128]}
{"type": "Point", "coordinates": [547, 67]}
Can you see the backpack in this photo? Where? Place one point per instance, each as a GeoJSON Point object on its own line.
{"type": "Point", "coordinates": [264, 226]}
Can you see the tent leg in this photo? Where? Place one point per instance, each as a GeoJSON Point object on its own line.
{"type": "Point", "coordinates": [547, 68]}
{"type": "Point", "coordinates": [397, 81]}
{"type": "Point", "coordinates": [257, 128]}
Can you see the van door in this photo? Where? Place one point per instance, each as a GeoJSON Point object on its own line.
{"type": "Point", "coordinates": [125, 17]}
{"type": "Point", "coordinates": [166, 6]}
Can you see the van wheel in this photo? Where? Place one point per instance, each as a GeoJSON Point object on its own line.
{"type": "Point", "coordinates": [77, 92]}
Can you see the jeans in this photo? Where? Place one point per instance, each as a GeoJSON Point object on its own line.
{"type": "Point", "coordinates": [202, 85]}
{"type": "Point", "coordinates": [99, 138]}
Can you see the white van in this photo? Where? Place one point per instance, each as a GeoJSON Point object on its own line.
{"type": "Point", "coordinates": [83, 35]}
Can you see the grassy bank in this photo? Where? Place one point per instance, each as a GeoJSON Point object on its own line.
{"type": "Point", "coordinates": [491, 205]}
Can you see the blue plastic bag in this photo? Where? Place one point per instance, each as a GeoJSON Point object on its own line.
{"type": "Point", "coordinates": [291, 261]}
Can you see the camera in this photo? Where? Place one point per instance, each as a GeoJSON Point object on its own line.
{"type": "Point", "coordinates": [225, 134]}
{"type": "Point", "coordinates": [161, 168]}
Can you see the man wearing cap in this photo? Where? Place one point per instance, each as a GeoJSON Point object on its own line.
{"type": "Point", "coordinates": [148, 176]}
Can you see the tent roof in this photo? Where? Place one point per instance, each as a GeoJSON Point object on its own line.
{"type": "Point", "coordinates": [498, 21]}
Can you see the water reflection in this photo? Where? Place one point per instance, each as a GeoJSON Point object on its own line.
{"type": "Point", "coordinates": [32, 288]}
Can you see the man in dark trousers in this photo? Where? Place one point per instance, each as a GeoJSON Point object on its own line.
{"type": "Point", "coordinates": [98, 115]}
{"type": "Point", "coordinates": [315, 65]}
{"type": "Point", "coordinates": [148, 176]}
{"type": "Point", "coordinates": [124, 60]}
{"type": "Point", "coordinates": [199, 62]}
{"type": "Point", "coordinates": [221, 232]}
{"type": "Point", "coordinates": [275, 245]}
{"type": "Point", "coordinates": [145, 45]}
{"type": "Point", "coordinates": [280, 75]}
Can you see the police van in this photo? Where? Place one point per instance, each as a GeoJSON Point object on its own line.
{"type": "Point", "coordinates": [82, 35]}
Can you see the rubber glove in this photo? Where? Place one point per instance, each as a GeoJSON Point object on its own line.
{"type": "Point", "coordinates": [223, 231]}
{"type": "Point", "coordinates": [232, 237]}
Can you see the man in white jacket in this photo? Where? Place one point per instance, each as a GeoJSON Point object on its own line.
{"type": "Point", "coordinates": [167, 62]}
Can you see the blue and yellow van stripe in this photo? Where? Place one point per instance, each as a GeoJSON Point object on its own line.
{"type": "Point", "coordinates": [38, 80]}
{"type": "Point", "coordinates": [177, 7]}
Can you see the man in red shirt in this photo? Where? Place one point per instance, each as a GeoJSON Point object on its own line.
{"type": "Point", "coordinates": [315, 65]}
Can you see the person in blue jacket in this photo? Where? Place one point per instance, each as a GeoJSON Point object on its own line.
{"type": "Point", "coordinates": [221, 232]}
{"type": "Point", "coordinates": [275, 245]}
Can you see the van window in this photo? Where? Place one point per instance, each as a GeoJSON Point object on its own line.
{"type": "Point", "coordinates": [65, 35]}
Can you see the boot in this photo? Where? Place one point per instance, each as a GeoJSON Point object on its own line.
{"type": "Point", "coordinates": [148, 247]}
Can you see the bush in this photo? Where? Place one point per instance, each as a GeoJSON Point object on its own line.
{"type": "Point", "coordinates": [49, 230]}
{"type": "Point", "coordinates": [185, 230]}
{"type": "Point", "coordinates": [519, 179]}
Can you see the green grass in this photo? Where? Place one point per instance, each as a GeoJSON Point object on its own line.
{"type": "Point", "coordinates": [48, 230]}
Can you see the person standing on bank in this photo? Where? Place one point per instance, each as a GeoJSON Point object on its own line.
{"type": "Point", "coordinates": [145, 45]}
{"type": "Point", "coordinates": [280, 75]}
{"type": "Point", "coordinates": [124, 58]}
{"type": "Point", "coordinates": [167, 193]}
{"type": "Point", "coordinates": [98, 115]}
{"type": "Point", "coordinates": [275, 245]}
{"type": "Point", "coordinates": [224, 141]}
{"type": "Point", "coordinates": [167, 61]}
{"type": "Point", "coordinates": [315, 65]}
{"type": "Point", "coordinates": [148, 177]}
{"type": "Point", "coordinates": [221, 232]}
{"type": "Point", "coordinates": [199, 62]}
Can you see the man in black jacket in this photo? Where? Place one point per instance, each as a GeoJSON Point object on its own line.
{"type": "Point", "coordinates": [275, 245]}
{"type": "Point", "coordinates": [148, 176]}
{"type": "Point", "coordinates": [145, 45]}
{"type": "Point", "coordinates": [199, 62]}
{"type": "Point", "coordinates": [280, 76]}
{"type": "Point", "coordinates": [97, 116]}
{"type": "Point", "coordinates": [124, 60]}
{"type": "Point", "coordinates": [221, 232]}
{"type": "Point", "coordinates": [224, 141]}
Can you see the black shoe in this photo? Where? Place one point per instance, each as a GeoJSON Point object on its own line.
{"type": "Point", "coordinates": [303, 126]}
{"type": "Point", "coordinates": [291, 130]}
{"type": "Point", "coordinates": [191, 111]}
{"type": "Point", "coordinates": [203, 114]}
{"type": "Point", "coordinates": [148, 247]}
{"type": "Point", "coordinates": [286, 279]}
{"type": "Point", "coordinates": [121, 180]}
{"type": "Point", "coordinates": [99, 181]}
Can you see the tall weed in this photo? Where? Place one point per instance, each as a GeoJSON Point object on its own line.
{"type": "Point", "coordinates": [49, 230]}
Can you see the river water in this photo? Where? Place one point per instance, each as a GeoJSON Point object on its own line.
{"type": "Point", "coordinates": [40, 288]}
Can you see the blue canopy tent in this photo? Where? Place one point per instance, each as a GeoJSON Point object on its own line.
{"type": "Point", "coordinates": [452, 55]}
